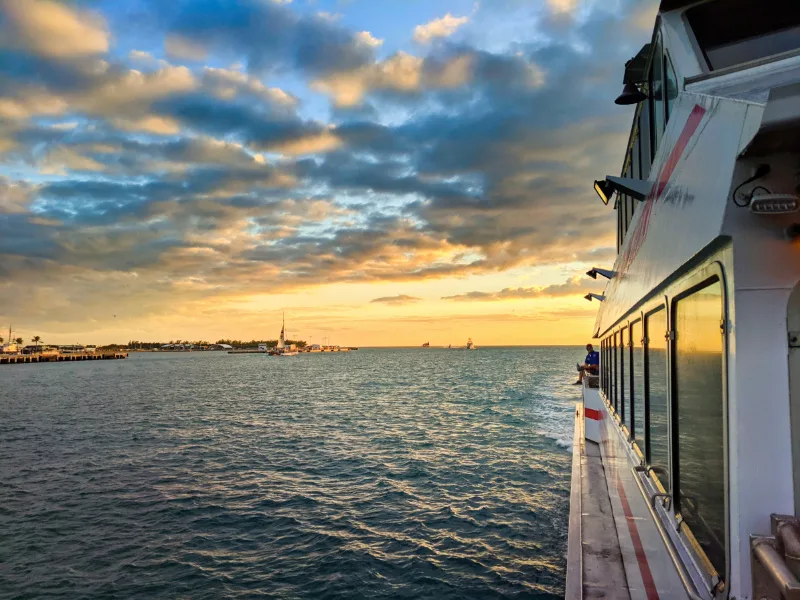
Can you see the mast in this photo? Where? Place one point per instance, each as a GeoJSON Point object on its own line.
{"type": "Point", "coordinates": [282, 339]}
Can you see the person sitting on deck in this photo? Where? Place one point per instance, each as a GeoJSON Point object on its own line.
{"type": "Point", "coordinates": [591, 364]}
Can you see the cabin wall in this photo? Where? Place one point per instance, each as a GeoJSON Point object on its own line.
{"type": "Point", "coordinates": [766, 267]}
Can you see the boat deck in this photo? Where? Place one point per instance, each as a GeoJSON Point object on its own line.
{"type": "Point", "coordinates": [615, 548]}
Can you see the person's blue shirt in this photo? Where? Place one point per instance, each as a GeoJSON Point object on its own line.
{"type": "Point", "coordinates": [593, 358]}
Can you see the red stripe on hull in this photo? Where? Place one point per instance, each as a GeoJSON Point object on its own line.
{"type": "Point", "coordinates": [593, 414]}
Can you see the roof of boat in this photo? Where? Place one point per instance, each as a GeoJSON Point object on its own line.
{"type": "Point", "coordinates": [667, 5]}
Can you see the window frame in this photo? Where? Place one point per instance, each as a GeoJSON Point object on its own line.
{"type": "Point", "coordinates": [661, 304]}
{"type": "Point", "coordinates": [696, 281]}
{"type": "Point", "coordinates": [622, 333]}
{"type": "Point", "coordinates": [632, 427]}
{"type": "Point", "coordinates": [658, 53]}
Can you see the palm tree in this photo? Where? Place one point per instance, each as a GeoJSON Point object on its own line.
{"type": "Point", "coordinates": [36, 339]}
{"type": "Point", "coordinates": [19, 341]}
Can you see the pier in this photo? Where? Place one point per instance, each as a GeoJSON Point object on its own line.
{"type": "Point", "coordinates": [15, 359]}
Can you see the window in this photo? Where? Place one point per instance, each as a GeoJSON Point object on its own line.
{"type": "Point", "coordinates": [637, 386]}
{"type": "Point", "coordinates": [605, 367]}
{"type": "Point", "coordinates": [630, 408]}
{"type": "Point", "coordinates": [616, 371]}
{"type": "Point", "coordinates": [753, 30]}
{"type": "Point", "coordinates": [623, 396]}
{"type": "Point", "coordinates": [657, 108]}
{"type": "Point", "coordinates": [670, 87]}
{"type": "Point", "coordinates": [700, 457]}
{"type": "Point", "coordinates": [656, 364]}
{"type": "Point", "coordinates": [644, 136]}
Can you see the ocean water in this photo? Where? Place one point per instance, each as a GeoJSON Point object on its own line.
{"type": "Point", "coordinates": [382, 473]}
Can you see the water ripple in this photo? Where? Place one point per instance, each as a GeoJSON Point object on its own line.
{"type": "Point", "coordinates": [378, 474]}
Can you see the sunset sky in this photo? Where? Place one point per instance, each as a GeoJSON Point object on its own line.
{"type": "Point", "coordinates": [387, 172]}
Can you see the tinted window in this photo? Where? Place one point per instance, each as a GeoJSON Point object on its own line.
{"type": "Point", "coordinates": [700, 464]}
{"type": "Point", "coordinates": [629, 408]}
{"type": "Point", "coordinates": [658, 116]}
{"type": "Point", "coordinates": [637, 396]}
{"type": "Point", "coordinates": [615, 358]}
{"type": "Point", "coordinates": [752, 30]}
{"type": "Point", "coordinates": [671, 87]}
{"type": "Point", "coordinates": [623, 359]}
{"type": "Point", "coordinates": [644, 136]}
{"type": "Point", "coordinates": [658, 435]}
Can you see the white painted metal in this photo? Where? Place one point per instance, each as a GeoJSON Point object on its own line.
{"type": "Point", "coordinates": [691, 220]}
{"type": "Point", "coordinates": [591, 426]}
{"type": "Point", "coordinates": [793, 341]}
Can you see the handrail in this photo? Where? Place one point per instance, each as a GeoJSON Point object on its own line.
{"type": "Point", "coordinates": [686, 580]}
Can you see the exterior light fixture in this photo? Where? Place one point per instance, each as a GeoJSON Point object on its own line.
{"type": "Point", "coordinates": [596, 271]}
{"type": "Point", "coordinates": [630, 95]}
{"type": "Point", "coordinates": [635, 188]}
{"type": "Point", "coordinates": [604, 189]}
{"type": "Point", "coordinates": [774, 204]}
{"type": "Point", "coordinates": [592, 296]}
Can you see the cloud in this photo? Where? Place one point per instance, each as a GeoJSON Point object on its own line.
{"type": "Point", "coordinates": [399, 300]}
{"type": "Point", "coordinates": [401, 73]}
{"type": "Point", "coordinates": [438, 28]}
{"type": "Point", "coordinates": [573, 287]}
{"type": "Point", "coordinates": [166, 187]}
{"type": "Point", "coordinates": [366, 38]}
{"type": "Point", "coordinates": [51, 29]}
{"type": "Point", "coordinates": [181, 48]}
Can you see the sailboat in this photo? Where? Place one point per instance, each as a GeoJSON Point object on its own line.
{"type": "Point", "coordinates": [282, 349]}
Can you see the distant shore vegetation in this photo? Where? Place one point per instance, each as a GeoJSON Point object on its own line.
{"type": "Point", "coordinates": [243, 344]}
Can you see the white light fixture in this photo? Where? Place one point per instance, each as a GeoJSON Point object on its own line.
{"type": "Point", "coordinates": [592, 296]}
{"type": "Point", "coordinates": [595, 271]}
{"type": "Point", "coordinates": [774, 204]}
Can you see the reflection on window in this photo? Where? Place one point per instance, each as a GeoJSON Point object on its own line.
{"type": "Point", "coordinates": [644, 136]}
{"type": "Point", "coordinates": [637, 429]}
{"type": "Point", "coordinates": [753, 30]}
{"type": "Point", "coordinates": [616, 371]}
{"type": "Point", "coordinates": [657, 96]}
{"type": "Point", "coordinates": [623, 392]}
{"type": "Point", "coordinates": [700, 467]}
{"type": "Point", "coordinates": [658, 436]}
{"type": "Point", "coordinates": [671, 87]}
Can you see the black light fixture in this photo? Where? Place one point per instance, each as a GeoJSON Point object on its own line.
{"type": "Point", "coordinates": [630, 95]}
{"type": "Point", "coordinates": [592, 296]}
{"type": "Point", "coordinates": [604, 189]}
{"type": "Point", "coordinates": [598, 271]}
{"type": "Point", "coordinates": [639, 189]}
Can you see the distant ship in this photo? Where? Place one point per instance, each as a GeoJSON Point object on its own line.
{"type": "Point", "coordinates": [282, 349]}
{"type": "Point", "coordinates": [426, 345]}
{"type": "Point", "coordinates": [470, 345]}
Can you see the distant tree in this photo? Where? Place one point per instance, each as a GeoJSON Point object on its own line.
{"type": "Point", "coordinates": [1, 339]}
{"type": "Point", "coordinates": [19, 341]}
{"type": "Point", "coordinates": [36, 339]}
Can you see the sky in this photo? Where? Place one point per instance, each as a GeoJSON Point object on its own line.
{"type": "Point", "coordinates": [384, 172]}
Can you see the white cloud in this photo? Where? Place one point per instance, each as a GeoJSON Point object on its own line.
{"type": "Point", "coordinates": [178, 47]}
{"type": "Point", "coordinates": [367, 39]}
{"type": "Point", "coordinates": [52, 29]}
{"type": "Point", "coordinates": [563, 6]}
{"type": "Point", "coordinates": [401, 72]}
{"type": "Point", "coordinates": [438, 28]}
